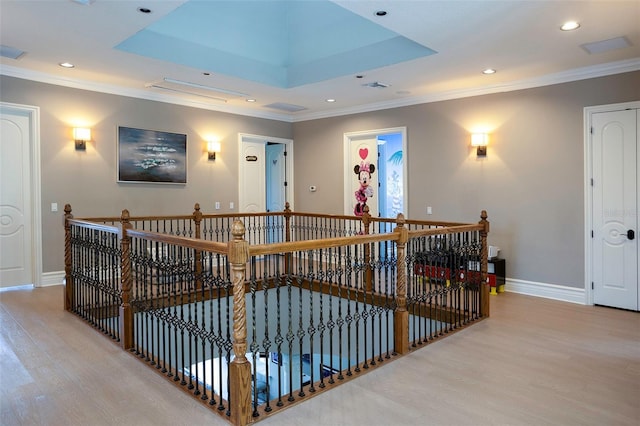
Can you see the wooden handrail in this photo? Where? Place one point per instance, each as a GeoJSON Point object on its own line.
{"type": "Point", "coordinates": [275, 248]}
{"type": "Point", "coordinates": [206, 245]}
{"type": "Point", "coordinates": [85, 223]}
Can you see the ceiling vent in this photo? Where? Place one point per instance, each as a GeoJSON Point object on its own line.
{"type": "Point", "coordinates": [195, 89]}
{"type": "Point", "coordinates": [10, 52]}
{"type": "Point", "coordinates": [377, 85]}
{"type": "Point", "coordinates": [285, 107]}
{"type": "Point", "coordinates": [606, 45]}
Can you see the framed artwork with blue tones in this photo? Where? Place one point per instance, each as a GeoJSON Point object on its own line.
{"type": "Point", "coordinates": [150, 156]}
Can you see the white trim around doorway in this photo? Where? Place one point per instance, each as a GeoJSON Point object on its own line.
{"type": "Point", "coordinates": [351, 136]}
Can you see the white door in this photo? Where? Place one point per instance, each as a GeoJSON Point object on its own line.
{"type": "Point", "coordinates": [16, 265]}
{"type": "Point", "coordinates": [615, 208]}
{"type": "Point", "coordinates": [252, 195]}
{"type": "Point", "coordinates": [363, 182]}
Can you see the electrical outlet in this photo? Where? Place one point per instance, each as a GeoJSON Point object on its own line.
{"type": "Point", "coordinates": [231, 205]}
{"type": "Point", "coordinates": [54, 207]}
{"type": "Point", "coordinates": [217, 205]}
{"type": "Point", "coordinates": [429, 210]}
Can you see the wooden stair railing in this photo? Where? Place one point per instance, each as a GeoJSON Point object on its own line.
{"type": "Point", "coordinates": [238, 253]}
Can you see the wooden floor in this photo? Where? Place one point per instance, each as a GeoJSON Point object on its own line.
{"type": "Point", "coordinates": [534, 362]}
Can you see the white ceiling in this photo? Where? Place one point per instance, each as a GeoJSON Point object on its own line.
{"type": "Point", "coordinates": [520, 39]}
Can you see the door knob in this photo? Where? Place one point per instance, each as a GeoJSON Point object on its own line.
{"type": "Point", "coordinates": [630, 234]}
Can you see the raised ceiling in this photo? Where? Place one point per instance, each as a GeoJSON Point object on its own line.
{"type": "Point", "coordinates": [280, 43]}
{"type": "Point", "coordinates": [291, 56]}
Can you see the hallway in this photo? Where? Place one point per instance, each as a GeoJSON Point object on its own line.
{"type": "Point", "coordinates": [533, 362]}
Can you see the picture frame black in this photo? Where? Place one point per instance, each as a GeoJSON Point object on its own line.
{"type": "Point", "coordinates": [151, 156]}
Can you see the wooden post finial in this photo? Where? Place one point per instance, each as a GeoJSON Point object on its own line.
{"type": "Point", "coordinates": [125, 216]}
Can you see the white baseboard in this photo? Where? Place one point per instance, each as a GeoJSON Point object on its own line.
{"type": "Point", "coordinates": [548, 291]}
{"type": "Point", "coordinates": [52, 278]}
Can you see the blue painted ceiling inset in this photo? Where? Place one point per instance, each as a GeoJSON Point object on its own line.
{"type": "Point", "coordinates": [283, 43]}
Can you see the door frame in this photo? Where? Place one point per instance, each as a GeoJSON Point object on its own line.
{"type": "Point", "coordinates": [289, 192]}
{"type": "Point", "coordinates": [33, 163]}
{"type": "Point", "coordinates": [588, 173]}
{"type": "Point", "coordinates": [348, 164]}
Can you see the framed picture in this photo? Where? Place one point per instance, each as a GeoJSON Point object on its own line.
{"type": "Point", "coordinates": [150, 156]}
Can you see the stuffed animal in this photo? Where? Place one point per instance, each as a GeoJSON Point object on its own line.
{"type": "Point", "coordinates": [365, 191]}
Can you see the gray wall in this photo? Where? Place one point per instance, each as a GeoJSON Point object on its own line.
{"type": "Point", "coordinates": [87, 179]}
{"type": "Point", "coordinates": [530, 183]}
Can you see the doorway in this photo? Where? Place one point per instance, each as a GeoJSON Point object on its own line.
{"type": "Point", "coordinates": [20, 219]}
{"type": "Point", "coordinates": [265, 173]}
{"type": "Point", "coordinates": [386, 149]}
{"type": "Point", "coordinates": [612, 183]}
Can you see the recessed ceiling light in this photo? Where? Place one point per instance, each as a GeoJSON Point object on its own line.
{"type": "Point", "coordinates": [381, 13]}
{"type": "Point", "coordinates": [331, 100]}
{"type": "Point", "coordinates": [250, 100]}
{"type": "Point", "coordinates": [570, 26]}
{"type": "Point", "coordinates": [144, 10]}
{"type": "Point", "coordinates": [66, 65]}
{"type": "Point", "coordinates": [489, 71]}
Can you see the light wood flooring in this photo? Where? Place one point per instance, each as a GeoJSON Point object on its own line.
{"type": "Point", "coordinates": [534, 362]}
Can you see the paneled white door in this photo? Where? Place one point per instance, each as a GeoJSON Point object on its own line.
{"type": "Point", "coordinates": [16, 265]}
{"type": "Point", "coordinates": [252, 195]}
{"type": "Point", "coordinates": [615, 188]}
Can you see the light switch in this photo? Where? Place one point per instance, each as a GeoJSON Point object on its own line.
{"type": "Point", "coordinates": [231, 205]}
{"type": "Point", "coordinates": [54, 207]}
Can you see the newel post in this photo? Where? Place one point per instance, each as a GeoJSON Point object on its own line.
{"type": "Point", "coordinates": [368, 276]}
{"type": "Point", "coordinates": [287, 233]}
{"type": "Point", "coordinates": [484, 260]}
{"type": "Point", "coordinates": [197, 219]}
{"type": "Point", "coordinates": [239, 368]}
{"type": "Point", "coordinates": [68, 279]}
{"type": "Point", "coordinates": [126, 282]}
{"type": "Point", "coordinates": [401, 315]}
{"type": "Point", "coordinates": [287, 222]}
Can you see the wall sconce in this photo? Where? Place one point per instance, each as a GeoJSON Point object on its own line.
{"type": "Point", "coordinates": [81, 136]}
{"type": "Point", "coordinates": [213, 146]}
{"type": "Point", "coordinates": [480, 140]}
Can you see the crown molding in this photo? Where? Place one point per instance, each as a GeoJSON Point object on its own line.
{"type": "Point", "coordinates": [576, 74]}
{"type": "Point", "coordinates": [133, 93]}
{"type": "Point", "coordinates": [595, 71]}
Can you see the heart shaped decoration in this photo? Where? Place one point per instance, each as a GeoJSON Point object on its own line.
{"type": "Point", "coordinates": [364, 152]}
